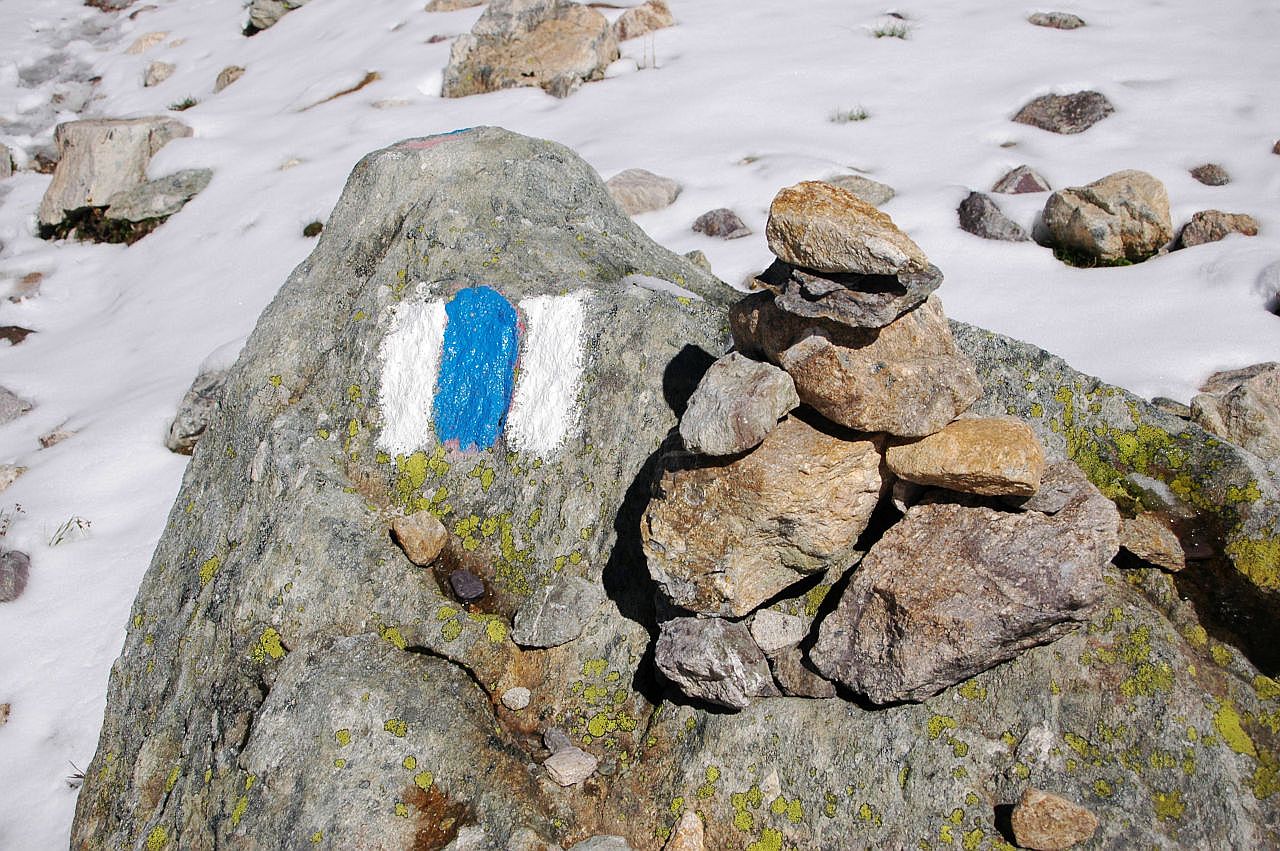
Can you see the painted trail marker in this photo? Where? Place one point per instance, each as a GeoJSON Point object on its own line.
{"type": "Point", "coordinates": [449, 372]}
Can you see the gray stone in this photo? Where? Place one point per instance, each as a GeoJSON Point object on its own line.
{"type": "Point", "coordinates": [980, 216]}
{"type": "Point", "coordinates": [722, 538]}
{"type": "Point", "coordinates": [737, 403]}
{"type": "Point", "coordinates": [872, 191]}
{"type": "Point", "coordinates": [516, 698]}
{"type": "Point", "coordinates": [1067, 114]}
{"type": "Point", "coordinates": [470, 839]}
{"type": "Point", "coordinates": [1123, 217]}
{"type": "Point", "coordinates": [196, 411]}
{"type": "Point", "coordinates": [158, 199]}
{"type": "Point", "coordinates": [857, 301]}
{"type": "Point", "coordinates": [698, 259]}
{"type": "Point", "coordinates": [906, 378]}
{"type": "Point", "coordinates": [774, 631]}
{"type": "Point", "coordinates": [1056, 20]}
{"type": "Point", "coordinates": [723, 223]}
{"type": "Point", "coordinates": [602, 843]}
{"type": "Point", "coordinates": [1021, 180]}
{"type": "Point", "coordinates": [951, 591]}
{"type": "Point", "coordinates": [638, 191]}
{"type": "Point", "coordinates": [1211, 174]}
{"type": "Point", "coordinates": [1243, 405]}
{"type": "Point", "coordinates": [227, 76]}
{"type": "Point", "coordinates": [1057, 486]}
{"type": "Point", "coordinates": [280, 600]}
{"type": "Point", "coordinates": [1214, 225]}
{"type": "Point", "coordinates": [267, 13]}
{"type": "Point", "coordinates": [557, 613]}
{"type": "Point", "coordinates": [101, 157]}
{"type": "Point", "coordinates": [555, 740]}
{"type": "Point", "coordinates": [1172, 406]}
{"type": "Point", "coordinates": [11, 405]}
{"type": "Point", "coordinates": [643, 19]}
{"type": "Point", "coordinates": [15, 568]}
{"type": "Point", "coordinates": [570, 766]}
{"type": "Point", "coordinates": [157, 72]}
{"type": "Point", "coordinates": [823, 228]}
{"type": "Point", "coordinates": [466, 586]}
{"type": "Point", "coordinates": [797, 677]}
{"type": "Point", "coordinates": [554, 44]}
{"type": "Point", "coordinates": [713, 660]}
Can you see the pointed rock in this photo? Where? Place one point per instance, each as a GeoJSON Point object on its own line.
{"type": "Point", "coordinates": [1066, 114]}
{"type": "Point", "coordinates": [980, 216]}
{"type": "Point", "coordinates": [737, 403]}
{"type": "Point", "coordinates": [1020, 181]}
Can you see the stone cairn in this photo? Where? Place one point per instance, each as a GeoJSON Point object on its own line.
{"type": "Point", "coordinates": [845, 397]}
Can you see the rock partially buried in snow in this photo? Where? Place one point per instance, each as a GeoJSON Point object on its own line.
{"type": "Point", "coordinates": [1121, 217]}
{"type": "Point", "coordinates": [1214, 225]}
{"type": "Point", "coordinates": [1021, 180]}
{"type": "Point", "coordinates": [6, 162]}
{"type": "Point", "coordinates": [157, 72]}
{"type": "Point", "coordinates": [160, 198]}
{"type": "Point", "coordinates": [1066, 114]}
{"type": "Point", "coordinates": [907, 378]}
{"type": "Point", "coordinates": [452, 5]}
{"type": "Point", "coordinates": [1149, 538]}
{"type": "Point", "coordinates": [554, 44]}
{"type": "Point", "coordinates": [873, 192]}
{"type": "Point", "coordinates": [855, 301]}
{"type": "Point", "coordinates": [101, 157]}
{"type": "Point", "coordinates": [643, 19]}
{"type": "Point", "coordinates": [999, 456]}
{"type": "Point", "coordinates": [557, 613]}
{"type": "Point", "coordinates": [1056, 20]}
{"type": "Point", "coordinates": [951, 591]}
{"type": "Point", "coordinates": [12, 406]}
{"type": "Point", "coordinates": [639, 191]}
{"type": "Point", "coordinates": [227, 76]}
{"type": "Point", "coordinates": [723, 223]}
{"type": "Point", "coordinates": [1243, 405]}
{"type": "Point", "coordinates": [15, 567]}
{"type": "Point", "coordinates": [1047, 822]}
{"type": "Point", "coordinates": [713, 660]}
{"type": "Point", "coordinates": [570, 766]}
{"type": "Point", "coordinates": [421, 536]}
{"type": "Point", "coordinates": [9, 474]}
{"type": "Point", "coordinates": [1211, 174]}
{"type": "Point", "coordinates": [723, 538]}
{"type": "Point", "coordinates": [267, 13]}
{"type": "Point", "coordinates": [737, 403]}
{"type": "Point", "coordinates": [980, 216]}
{"type": "Point", "coordinates": [823, 228]}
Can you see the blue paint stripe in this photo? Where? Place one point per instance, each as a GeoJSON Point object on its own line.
{"type": "Point", "coordinates": [477, 368]}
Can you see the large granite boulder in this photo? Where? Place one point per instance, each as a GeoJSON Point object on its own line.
{"type": "Point", "coordinates": [444, 265]}
{"type": "Point", "coordinates": [554, 44]}
{"type": "Point", "coordinates": [100, 157]}
{"type": "Point", "coordinates": [1120, 218]}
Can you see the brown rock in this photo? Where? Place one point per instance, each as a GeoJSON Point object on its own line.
{"type": "Point", "coordinates": [953, 590]}
{"type": "Point", "coordinates": [1047, 822]}
{"type": "Point", "coordinates": [1067, 114]}
{"type": "Point", "coordinates": [9, 474]}
{"type": "Point", "coordinates": [227, 76]}
{"type": "Point", "coordinates": [907, 378]}
{"type": "Point", "coordinates": [984, 456]}
{"type": "Point", "coordinates": [422, 536]}
{"type": "Point", "coordinates": [688, 834]}
{"type": "Point", "coordinates": [1211, 174]}
{"type": "Point", "coordinates": [157, 72]}
{"type": "Point", "coordinates": [722, 222]}
{"type": "Point", "coordinates": [797, 676]}
{"type": "Point", "coordinates": [637, 190]}
{"type": "Point", "coordinates": [1021, 180]}
{"type": "Point", "coordinates": [1243, 405]}
{"type": "Point", "coordinates": [1151, 539]}
{"type": "Point", "coordinates": [4, 714]}
{"type": "Point", "coordinates": [818, 226]}
{"type": "Point", "coordinates": [1121, 217]}
{"type": "Point", "coordinates": [1213, 225]}
{"type": "Point", "coordinates": [724, 538]}
{"type": "Point", "coordinates": [643, 19]}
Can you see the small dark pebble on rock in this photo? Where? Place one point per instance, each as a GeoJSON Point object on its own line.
{"type": "Point", "coordinates": [466, 585]}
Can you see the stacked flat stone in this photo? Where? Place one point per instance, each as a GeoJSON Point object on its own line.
{"type": "Point", "coordinates": [845, 380]}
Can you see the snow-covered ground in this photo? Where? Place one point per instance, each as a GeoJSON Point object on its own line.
{"type": "Point", "coordinates": [735, 102]}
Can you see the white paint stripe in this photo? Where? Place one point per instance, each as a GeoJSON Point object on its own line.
{"type": "Point", "coordinates": [545, 405]}
{"type": "Point", "coordinates": [410, 357]}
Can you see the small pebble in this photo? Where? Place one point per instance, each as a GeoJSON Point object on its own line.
{"type": "Point", "coordinates": [1211, 174]}
{"type": "Point", "coordinates": [516, 698]}
{"type": "Point", "coordinates": [14, 569]}
{"type": "Point", "coordinates": [466, 585]}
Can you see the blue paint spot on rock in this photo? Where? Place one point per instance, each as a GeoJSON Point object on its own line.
{"type": "Point", "coordinates": [477, 368]}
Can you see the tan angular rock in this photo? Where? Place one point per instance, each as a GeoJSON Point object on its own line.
{"type": "Point", "coordinates": [1243, 405]}
{"type": "Point", "coordinates": [227, 76]}
{"type": "Point", "coordinates": [145, 42]}
{"type": "Point", "coordinates": [1214, 225]}
{"type": "Point", "coordinates": [818, 226]}
{"type": "Point", "coordinates": [992, 456]}
{"type": "Point", "coordinates": [638, 191]}
{"type": "Point", "coordinates": [554, 44]}
{"type": "Point", "coordinates": [906, 379]}
{"type": "Point", "coordinates": [643, 19]}
{"type": "Point", "coordinates": [157, 72]}
{"type": "Point", "coordinates": [422, 536]}
{"type": "Point", "coordinates": [722, 539]}
{"type": "Point", "coordinates": [1150, 539]}
{"type": "Point", "coordinates": [99, 157]}
{"type": "Point", "coordinates": [688, 834]}
{"type": "Point", "coordinates": [1047, 822]}
{"type": "Point", "coordinates": [1121, 217]}
{"type": "Point", "coordinates": [570, 766]}
{"type": "Point", "coordinates": [9, 474]}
